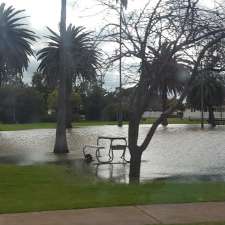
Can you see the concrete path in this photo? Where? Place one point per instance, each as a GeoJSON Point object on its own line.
{"type": "Point", "coordinates": [132, 215]}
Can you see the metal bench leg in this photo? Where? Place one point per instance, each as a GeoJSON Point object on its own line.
{"type": "Point", "coordinates": [112, 157]}
{"type": "Point", "coordinates": [97, 154]}
{"type": "Point", "coordinates": [124, 156]}
{"type": "Point", "coordinates": [84, 148]}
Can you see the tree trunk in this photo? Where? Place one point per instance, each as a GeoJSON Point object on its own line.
{"type": "Point", "coordinates": [61, 141]}
{"type": "Point", "coordinates": [135, 153]}
{"type": "Point", "coordinates": [135, 166]}
{"type": "Point", "coordinates": [164, 105]}
{"type": "Point", "coordinates": [211, 116]}
{"type": "Point", "coordinates": [68, 105]}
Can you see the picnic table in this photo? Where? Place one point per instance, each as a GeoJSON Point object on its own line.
{"type": "Point", "coordinates": [114, 146]}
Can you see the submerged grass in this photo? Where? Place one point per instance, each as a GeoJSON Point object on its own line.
{"type": "Point", "coordinates": [48, 187]}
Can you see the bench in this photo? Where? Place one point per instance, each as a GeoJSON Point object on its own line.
{"type": "Point", "coordinates": [220, 121]}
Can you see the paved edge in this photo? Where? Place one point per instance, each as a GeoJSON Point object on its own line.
{"type": "Point", "coordinates": [128, 215]}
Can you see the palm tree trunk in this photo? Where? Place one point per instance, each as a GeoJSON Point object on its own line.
{"type": "Point", "coordinates": [68, 104]}
{"type": "Point", "coordinates": [164, 105]}
{"type": "Point", "coordinates": [2, 74]}
{"type": "Point", "coordinates": [211, 116]}
{"type": "Point", "coordinates": [14, 109]}
{"type": "Point", "coordinates": [61, 141]}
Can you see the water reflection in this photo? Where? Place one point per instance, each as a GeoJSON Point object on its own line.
{"type": "Point", "coordinates": [116, 172]}
{"type": "Point", "coordinates": [180, 152]}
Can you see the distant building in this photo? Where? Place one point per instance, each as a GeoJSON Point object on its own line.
{"type": "Point", "coordinates": [219, 112]}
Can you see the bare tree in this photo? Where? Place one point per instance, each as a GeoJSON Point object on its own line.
{"type": "Point", "coordinates": [161, 37]}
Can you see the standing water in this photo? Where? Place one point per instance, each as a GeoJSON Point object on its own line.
{"type": "Point", "coordinates": [180, 152]}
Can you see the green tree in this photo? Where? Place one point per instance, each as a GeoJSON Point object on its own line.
{"type": "Point", "coordinates": [75, 100]}
{"type": "Point", "coordinates": [94, 103]}
{"type": "Point", "coordinates": [8, 104]}
{"type": "Point", "coordinates": [15, 43]}
{"type": "Point", "coordinates": [21, 105]}
{"type": "Point", "coordinates": [81, 63]}
{"type": "Point", "coordinates": [82, 57]}
{"type": "Point", "coordinates": [62, 59]}
{"type": "Point", "coordinates": [29, 105]}
{"type": "Point", "coordinates": [52, 100]}
{"type": "Point", "coordinates": [40, 84]}
{"type": "Point", "coordinates": [213, 88]}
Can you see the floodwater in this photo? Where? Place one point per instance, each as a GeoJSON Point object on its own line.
{"type": "Point", "coordinates": [178, 152]}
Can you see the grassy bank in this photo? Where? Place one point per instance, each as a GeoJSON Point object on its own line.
{"type": "Point", "coordinates": [14, 127]}
{"type": "Point", "coordinates": [37, 188]}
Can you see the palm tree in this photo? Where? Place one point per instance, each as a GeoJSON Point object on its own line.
{"type": "Point", "coordinates": [167, 79]}
{"type": "Point", "coordinates": [61, 58]}
{"type": "Point", "coordinates": [81, 53]}
{"type": "Point", "coordinates": [82, 61]}
{"type": "Point", "coordinates": [15, 42]}
{"type": "Point", "coordinates": [213, 93]}
{"type": "Point", "coordinates": [61, 140]}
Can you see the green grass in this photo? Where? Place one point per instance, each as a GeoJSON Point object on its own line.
{"type": "Point", "coordinates": [28, 126]}
{"type": "Point", "coordinates": [15, 127]}
{"type": "Point", "coordinates": [43, 125]}
{"type": "Point", "coordinates": [48, 187]}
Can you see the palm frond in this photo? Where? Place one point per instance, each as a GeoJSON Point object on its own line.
{"type": "Point", "coordinates": [15, 40]}
{"type": "Point", "coordinates": [81, 56]}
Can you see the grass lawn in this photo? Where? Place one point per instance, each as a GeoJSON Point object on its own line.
{"type": "Point", "coordinates": [14, 127]}
{"type": "Point", "coordinates": [43, 125]}
{"type": "Point", "coordinates": [49, 187]}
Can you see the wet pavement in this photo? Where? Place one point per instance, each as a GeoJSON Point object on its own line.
{"type": "Point", "coordinates": [178, 152]}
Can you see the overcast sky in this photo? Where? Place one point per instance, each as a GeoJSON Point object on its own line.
{"type": "Point", "coordinates": [43, 13]}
